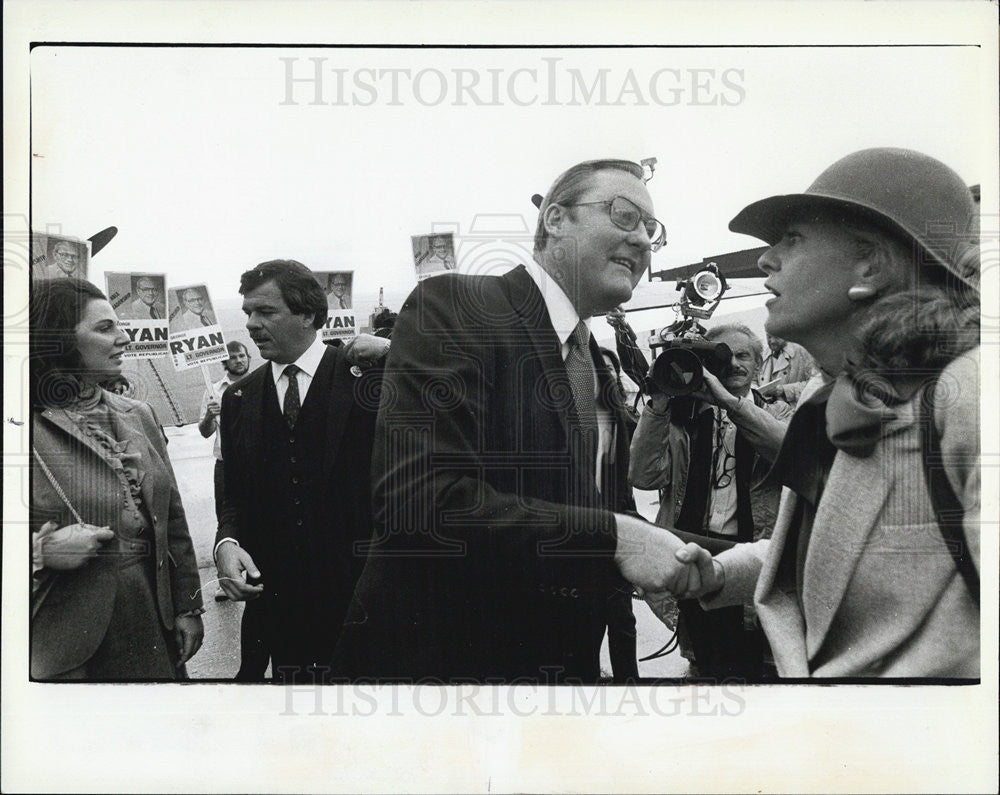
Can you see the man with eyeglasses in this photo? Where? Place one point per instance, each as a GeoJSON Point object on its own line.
{"type": "Point", "coordinates": [338, 297]}
{"type": "Point", "coordinates": [502, 546]}
{"type": "Point", "coordinates": [64, 260]}
{"type": "Point", "coordinates": [708, 455]}
{"type": "Point", "coordinates": [196, 313]}
{"type": "Point", "coordinates": [147, 304]}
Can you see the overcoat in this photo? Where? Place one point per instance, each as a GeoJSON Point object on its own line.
{"type": "Point", "coordinates": [881, 595]}
{"type": "Point", "coordinates": [71, 609]}
{"type": "Point", "coordinates": [492, 558]}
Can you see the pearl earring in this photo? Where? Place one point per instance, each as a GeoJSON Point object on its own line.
{"type": "Point", "coordinates": [861, 292]}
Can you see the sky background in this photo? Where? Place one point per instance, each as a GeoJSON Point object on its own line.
{"type": "Point", "coordinates": [192, 154]}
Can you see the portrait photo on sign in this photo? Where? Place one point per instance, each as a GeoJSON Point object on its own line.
{"type": "Point", "coordinates": [338, 286]}
{"type": "Point", "coordinates": [190, 309]}
{"type": "Point", "coordinates": [138, 296]}
{"type": "Point", "coordinates": [433, 254]}
{"type": "Point", "coordinates": [58, 256]}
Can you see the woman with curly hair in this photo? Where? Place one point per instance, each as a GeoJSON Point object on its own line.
{"type": "Point", "coordinates": [872, 569]}
{"type": "Point", "coordinates": [115, 589]}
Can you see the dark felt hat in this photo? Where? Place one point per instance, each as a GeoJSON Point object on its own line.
{"type": "Point", "coordinates": [904, 192]}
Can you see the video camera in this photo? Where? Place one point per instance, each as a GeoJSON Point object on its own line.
{"type": "Point", "coordinates": [683, 352]}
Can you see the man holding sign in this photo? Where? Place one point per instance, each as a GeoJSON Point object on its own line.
{"type": "Point", "coordinates": [296, 449]}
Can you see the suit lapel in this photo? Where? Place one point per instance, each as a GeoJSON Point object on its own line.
{"type": "Point", "coordinates": [610, 400]}
{"type": "Point", "coordinates": [334, 368]}
{"type": "Point", "coordinates": [526, 299]}
{"type": "Point", "coordinates": [252, 409]}
{"type": "Point", "coordinates": [854, 497]}
{"type": "Point", "coordinates": [58, 418]}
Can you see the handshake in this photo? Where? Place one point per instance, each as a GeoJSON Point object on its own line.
{"type": "Point", "coordinates": [655, 561]}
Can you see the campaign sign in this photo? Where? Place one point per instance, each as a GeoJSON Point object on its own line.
{"type": "Point", "coordinates": [195, 336]}
{"type": "Point", "coordinates": [433, 254]}
{"type": "Point", "coordinates": [339, 288]}
{"type": "Point", "coordinates": [58, 256]}
{"type": "Point", "coordinates": [139, 300]}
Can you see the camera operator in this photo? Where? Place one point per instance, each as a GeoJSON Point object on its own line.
{"type": "Point", "coordinates": [707, 453]}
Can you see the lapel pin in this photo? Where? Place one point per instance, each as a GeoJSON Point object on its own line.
{"type": "Point", "coordinates": [355, 371]}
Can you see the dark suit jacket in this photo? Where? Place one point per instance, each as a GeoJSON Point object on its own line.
{"type": "Point", "coordinates": [71, 609]}
{"type": "Point", "coordinates": [493, 552]}
{"type": "Point", "coordinates": [345, 471]}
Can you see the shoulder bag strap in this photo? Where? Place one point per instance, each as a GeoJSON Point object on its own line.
{"type": "Point", "coordinates": [947, 508]}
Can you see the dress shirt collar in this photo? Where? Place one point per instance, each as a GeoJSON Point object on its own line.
{"type": "Point", "coordinates": [562, 314]}
{"type": "Point", "coordinates": [307, 362]}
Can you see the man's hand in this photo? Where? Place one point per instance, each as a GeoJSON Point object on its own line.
{"type": "Point", "coordinates": [188, 632]}
{"type": "Point", "coordinates": [715, 393]}
{"type": "Point", "coordinates": [67, 548]}
{"type": "Point", "coordinates": [231, 560]}
{"type": "Point", "coordinates": [365, 349]}
{"type": "Point", "coordinates": [646, 557]}
{"type": "Point", "coordinates": [206, 425]}
{"type": "Point", "coordinates": [711, 574]}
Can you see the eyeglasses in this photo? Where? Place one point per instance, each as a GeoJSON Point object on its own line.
{"type": "Point", "coordinates": [626, 215]}
{"type": "Point", "coordinates": [722, 477]}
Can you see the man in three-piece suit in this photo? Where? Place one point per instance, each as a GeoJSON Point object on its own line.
{"type": "Point", "coordinates": [296, 450]}
{"type": "Point", "coordinates": [500, 461]}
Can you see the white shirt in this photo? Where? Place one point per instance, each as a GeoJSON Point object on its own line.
{"type": "Point", "coordinates": [218, 387]}
{"type": "Point", "coordinates": [564, 319]}
{"type": "Point", "coordinates": [722, 501]}
{"type": "Point", "coordinates": [307, 364]}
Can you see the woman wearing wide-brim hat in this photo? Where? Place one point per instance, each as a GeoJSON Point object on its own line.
{"type": "Point", "coordinates": [872, 569]}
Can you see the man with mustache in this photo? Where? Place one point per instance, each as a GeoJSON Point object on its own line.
{"type": "Point", "coordinates": [296, 452]}
{"type": "Point", "coordinates": [708, 458]}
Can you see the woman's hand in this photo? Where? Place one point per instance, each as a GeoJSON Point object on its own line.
{"type": "Point", "coordinates": [68, 548]}
{"type": "Point", "coordinates": [188, 632]}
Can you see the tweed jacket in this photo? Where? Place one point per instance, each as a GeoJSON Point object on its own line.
{"type": "Point", "coordinates": [882, 597]}
{"type": "Point", "coordinates": [71, 609]}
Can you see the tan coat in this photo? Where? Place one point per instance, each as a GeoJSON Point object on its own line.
{"type": "Point", "coordinates": [882, 596]}
{"type": "Point", "coordinates": [71, 609]}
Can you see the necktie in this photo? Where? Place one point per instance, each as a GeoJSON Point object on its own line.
{"type": "Point", "coordinates": [204, 320]}
{"type": "Point", "coordinates": [290, 407]}
{"type": "Point", "coordinates": [343, 304]}
{"type": "Point", "coordinates": [580, 369]}
{"type": "Point", "coordinates": [153, 313]}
